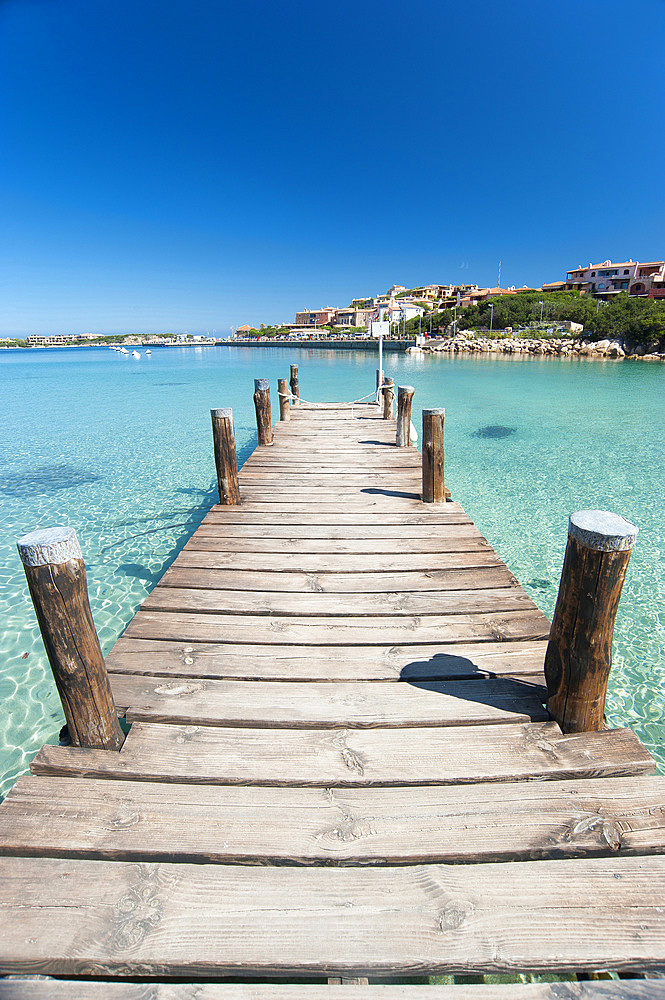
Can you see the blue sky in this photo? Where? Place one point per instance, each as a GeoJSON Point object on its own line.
{"type": "Point", "coordinates": [194, 166]}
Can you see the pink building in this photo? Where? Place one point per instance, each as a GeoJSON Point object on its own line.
{"type": "Point", "coordinates": [609, 278]}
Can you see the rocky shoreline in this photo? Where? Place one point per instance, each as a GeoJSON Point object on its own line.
{"type": "Point", "coordinates": [555, 347]}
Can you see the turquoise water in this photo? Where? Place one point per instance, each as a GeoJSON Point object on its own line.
{"type": "Point", "coordinates": [120, 449]}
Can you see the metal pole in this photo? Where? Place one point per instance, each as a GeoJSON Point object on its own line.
{"type": "Point", "coordinates": [378, 389]}
{"type": "Point", "coordinates": [491, 316]}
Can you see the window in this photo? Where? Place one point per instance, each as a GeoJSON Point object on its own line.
{"type": "Point", "coordinates": [593, 274]}
{"type": "Point", "coordinates": [626, 271]}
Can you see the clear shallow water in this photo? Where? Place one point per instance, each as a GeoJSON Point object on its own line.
{"type": "Point", "coordinates": [121, 450]}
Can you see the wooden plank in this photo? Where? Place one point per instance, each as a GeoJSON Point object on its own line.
{"type": "Point", "coordinates": [368, 518]}
{"type": "Point", "coordinates": [438, 563]}
{"type": "Point", "coordinates": [395, 479]}
{"type": "Point", "coordinates": [354, 758]}
{"type": "Point", "coordinates": [370, 547]}
{"type": "Point", "coordinates": [357, 495]}
{"type": "Point", "coordinates": [268, 662]}
{"type": "Point", "coordinates": [341, 465]}
{"type": "Point", "coordinates": [70, 916]}
{"type": "Point", "coordinates": [455, 528]}
{"type": "Point", "coordinates": [322, 631]}
{"type": "Point", "coordinates": [281, 502]}
{"type": "Point", "coordinates": [73, 989]}
{"type": "Point", "coordinates": [316, 704]}
{"type": "Point", "coordinates": [313, 602]}
{"type": "Point", "coordinates": [153, 821]}
{"type": "Point", "coordinates": [474, 578]}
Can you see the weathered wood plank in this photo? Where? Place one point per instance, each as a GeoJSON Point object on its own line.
{"type": "Point", "coordinates": [358, 494]}
{"type": "Point", "coordinates": [316, 704]}
{"type": "Point", "coordinates": [268, 662]}
{"type": "Point", "coordinates": [393, 479]}
{"type": "Point", "coordinates": [72, 989]}
{"type": "Point", "coordinates": [368, 518]}
{"type": "Point", "coordinates": [314, 602]}
{"type": "Point", "coordinates": [343, 563]}
{"type": "Point", "coordinates": [322, 631]}
{"type": "Point", "coordinates": [455, 528]}
{"type": "Point", "coordinates": [480, 578]}
{"type": "Point", "coordinates": [293, 544]}
{"type": "Point", "coordinates": [153, 821]}
{"type": "Point", "coordinates": [71, 916]}
{"type": "Point", "coordinates": [329, 758]}
{"type": "Point", "coordinates": [365, 505]}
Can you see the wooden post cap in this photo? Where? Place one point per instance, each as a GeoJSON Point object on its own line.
{"type": "Point", "coordinates": [438, 411]}
{"type": "Point", "coordinates": [261, 384]}
{"type": "Point", "coordinates": [49, 547]}
{"type": "Point", "coordinates": [220, 412]}
{"type": "Point", "coordinates": [602, 531]}
{"type": "Point", "coordinates": [405, 388]}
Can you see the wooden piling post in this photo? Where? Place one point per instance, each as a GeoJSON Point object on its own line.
{"type": "Point", "coordinates": [295, 391]}
{"type": "Point", "coordinates": [388, 396]}
{"type": "Point", "coordinates": [434, 490]}
{"type": "Point", "coordinates": [56, 577]}
{"type": "Point", "coordinates": [284, 404]}
{"type": "Point", "coordinates": [404, 400]}
{"type": "Point", "coordinates": [579, 653]}
{"type": "Point", "coordinates": [379, 378]}
{"type": "Point", "coordinates": [262, 407]}
{"type": "Point", "coordinates": [226, 460]}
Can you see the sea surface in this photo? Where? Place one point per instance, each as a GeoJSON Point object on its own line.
{"type": "Point", "coordinates": [120, 449]}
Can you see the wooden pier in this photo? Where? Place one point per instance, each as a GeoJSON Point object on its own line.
{"type": "Point", "coordinates": [339, 766]}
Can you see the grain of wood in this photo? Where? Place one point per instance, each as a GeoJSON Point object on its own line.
{"type": "Point", "coordinates": [255, 662]}
{"type": "Point", "coordinates": [439, 564]}
{"type": "Point", "coordinates": [355, 758]}
{"type": "Point", "coordinates": [369, 517]}
{"type": "Point", "coordinates": [459, 528]}
{"type": "Point", "coordinates": [72, 917]}
{"type": "Point", "coordinates": [410, 582]}
{"type": "Point", "coordinates": [471, 541]}
{"type": "Point", "coordinates": [71, 989]}
{"type": "Point", "coordinates": [317, 704]}
{"type": "Point", "coordinates": [154, 821]}
{"type": "Point", "coordinates": [322, 631]}
{"type": "Point", "coordinates": [315, 602]}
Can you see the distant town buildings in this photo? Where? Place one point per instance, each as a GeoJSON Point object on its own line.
{"type": "Point", "coordinates": [399, 303]}
{"type": "Point", "coordinates": [609, 278]}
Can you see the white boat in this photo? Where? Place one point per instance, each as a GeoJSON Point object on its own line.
{"type": "Point", "coordinates": [123, 350]}
{"type": "Point", "coordinates": [135, 354]}
{"type": "Point", "coordinates": [148, 351]}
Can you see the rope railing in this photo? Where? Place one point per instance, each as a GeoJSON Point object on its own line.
{"type": "Point", "coordinates": [341, 402]}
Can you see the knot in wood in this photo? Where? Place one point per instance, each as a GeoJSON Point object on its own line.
{"type": "Point", "coordinates": [454, 915]}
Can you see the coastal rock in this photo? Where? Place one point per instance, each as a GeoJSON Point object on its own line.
{"type": "Point", "coordinates": [615, 350]}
